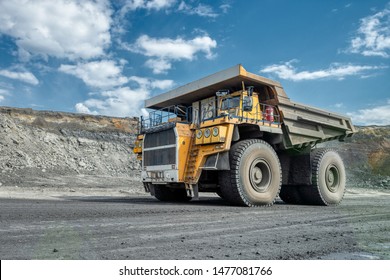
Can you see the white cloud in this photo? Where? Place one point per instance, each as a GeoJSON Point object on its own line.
{"type": "Point", "coordinates": [159, 66]}
{"type": "Point", "coordinates": [373, 35]}
{"type": "Point", "coordinates": [379, 115]}
{"type": "Point", "coordinates": [102, 74]}
{"type": "Point", "coordinates": [63, 29]}
{"type": "Point", "coordinates": [119, 18]}
{"type": "Point", "coordinates": [26, 77]}
{"type": "Point", "coordinates": [152, 83]}
{"type": "Point", "coordinates": [131, 5]}
{"type": "Point", "coordinates": [165, 50]}
{"type": "Point", "coordinates": [338, 71]}
{"type": "Point", "coordinates": [123, 101]}
{"type": "Point", "coordinates": [200, 10]}
{"type": "Point", "coordinates": [115, 94]}
{"type": "Point", "coordinates": [81, 108]}
{"type": "Point", "coordinates": [174, 48]}
{"type": "Point", "coordinates": [225, 7]}
{"type": "Point", "coordinates": [3, 92]}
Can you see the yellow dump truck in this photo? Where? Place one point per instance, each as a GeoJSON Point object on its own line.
{"type": "Point", "coordinates": [238, 134]}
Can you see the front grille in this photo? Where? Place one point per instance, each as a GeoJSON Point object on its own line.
{"type": "Point", "coordinates": [160, 138]}
{"type": "Point", "coordinates": [160, 156]}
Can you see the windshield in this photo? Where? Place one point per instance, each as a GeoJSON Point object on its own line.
{"type": "Point", "coordinates": [229, 103]}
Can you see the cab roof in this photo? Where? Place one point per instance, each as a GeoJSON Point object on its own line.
{"type": "Point", "coordinates": [230, 78]}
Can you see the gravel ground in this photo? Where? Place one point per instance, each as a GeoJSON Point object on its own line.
{"type": "Point", "coordinates": [120, 225]}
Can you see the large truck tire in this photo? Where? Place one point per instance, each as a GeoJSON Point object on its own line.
{"type": "Point", "coordinates": [290, 194]}
{"type": "Point", "coordinates": [164, 193]}
{"type": "Point", "coordinates": [328, 179]}
{"type": "Point", "coordinates": [255, 176]}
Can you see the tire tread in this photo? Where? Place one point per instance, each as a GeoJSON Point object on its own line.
{"type": "Point", "coordinates": [311, 194]}
{"type": "Point", "coordinates": [229, 180]}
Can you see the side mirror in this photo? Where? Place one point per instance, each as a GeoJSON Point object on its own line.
{"type": "Point", "coordinates": [247, 103]}
{"type": "Point", "coordinates": [222, 92]}
{"type": "Point", "coordinates": [250, 90]}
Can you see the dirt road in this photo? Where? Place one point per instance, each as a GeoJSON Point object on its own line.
{"type": "Point", "coordinates": [140, 227]}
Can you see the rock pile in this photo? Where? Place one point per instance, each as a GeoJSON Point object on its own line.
{"type": "Point", "coordinates": [36, 145]}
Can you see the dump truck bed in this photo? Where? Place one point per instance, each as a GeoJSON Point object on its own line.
{"type": "Point", "coordinates": [302, 125]}
{"type": "Point", "coordinates": [306, 126]}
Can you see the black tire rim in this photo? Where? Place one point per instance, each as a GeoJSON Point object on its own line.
{"type": "Point", "coordinates": [260, 175]}
{"type": "Point", "coordinates": [332, 178]}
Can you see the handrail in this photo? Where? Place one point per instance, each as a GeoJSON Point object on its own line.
{"type": "Point", "coordinates": [166, 115]}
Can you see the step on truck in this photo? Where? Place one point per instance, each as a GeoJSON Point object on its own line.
{"type": "Point", "coordinates": [239, 135]}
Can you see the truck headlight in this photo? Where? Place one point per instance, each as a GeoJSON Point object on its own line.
{"type": "Point", "coordinates": [207, 132]}
{"type": "Point", "coordinates": [215, 131]}
{"type": "Point", "coordinates": [199, 134]}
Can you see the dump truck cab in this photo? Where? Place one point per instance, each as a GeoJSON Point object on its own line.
{"type": "Point", "coordinates": [237, 134]}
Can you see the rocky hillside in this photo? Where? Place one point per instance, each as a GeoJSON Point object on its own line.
{"type": "Point", "coordinates": [42, 148]}
{"type": "Point", "coordinates": [46, 149]}
{"type": "Point", "coordinates": [367, 157]}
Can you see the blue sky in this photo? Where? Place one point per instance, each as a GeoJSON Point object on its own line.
{"type": "Point", "coordinates": [107, 57]}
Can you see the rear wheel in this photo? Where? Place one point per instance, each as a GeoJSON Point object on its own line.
{"type": "Point", "coordinates": [328, 179]}
{"type": "Point", "coordinates": [164, 193]}
{"type": "Point", "coordinates": [254, 177]}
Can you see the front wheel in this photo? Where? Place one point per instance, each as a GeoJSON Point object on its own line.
{"type": "Point", "coordinates": [255, 176]}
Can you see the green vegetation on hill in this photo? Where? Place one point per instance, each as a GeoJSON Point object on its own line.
{"type": "Point", "coordinates": [367, 157]}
